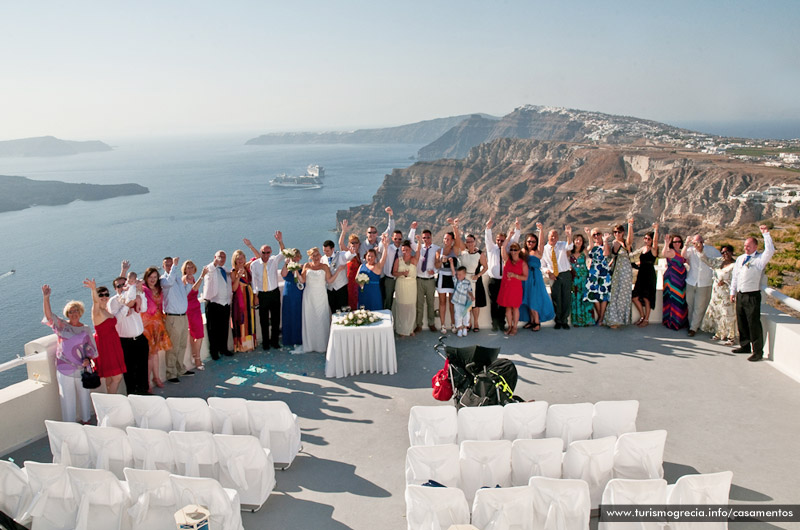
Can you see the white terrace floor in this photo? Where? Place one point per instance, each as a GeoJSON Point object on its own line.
{"type": "Point", "coordinates": [721, 413]}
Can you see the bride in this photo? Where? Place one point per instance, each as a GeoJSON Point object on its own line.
{"type": "Point", "coordinates": [316, 311]}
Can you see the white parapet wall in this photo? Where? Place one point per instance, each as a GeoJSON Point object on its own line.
{"type": "Point", "coordinates": [781, 340]}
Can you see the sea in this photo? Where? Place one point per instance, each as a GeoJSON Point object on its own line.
{"type": "Point", "coordinates": [206, 194]}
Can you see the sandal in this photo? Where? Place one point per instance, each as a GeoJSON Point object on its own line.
{"type": "Point", "coordinates": [443, 330]}
{"type": "Point", "coordinates": [453, 328]}
{"type": "Point", "coordinates": [529, 325]}
{"type": "Point", "coordinates": [537, 326]}
{"type": "Point", "coordinates": [476, 329]}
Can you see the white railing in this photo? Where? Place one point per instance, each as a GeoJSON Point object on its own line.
{"type": "Point", "coordinates": [782, 298]}
{"type": "Point", "coordinates": [13, 363]}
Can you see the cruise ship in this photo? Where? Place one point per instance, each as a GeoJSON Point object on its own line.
{"type": "Point", "coordinates": [721, 413]}
{"type": "Point", "coordinates": [311, 180]}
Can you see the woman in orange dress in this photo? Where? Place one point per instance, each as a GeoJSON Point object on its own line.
{"type": "Point", "coordinates": [154, 323]}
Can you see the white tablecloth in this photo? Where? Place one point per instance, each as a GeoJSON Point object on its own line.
{"type": "Point", "coordinates": [354, 350]}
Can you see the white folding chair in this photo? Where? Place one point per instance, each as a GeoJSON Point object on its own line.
{"type": "Point", "coordinates": [229, 415]}
{"type": "Point", "coordinates": [535, 458]}
{"type": "Point", "coordinates": [277, 429]}
{"type": "Point", "coordinates": [433, 462]}
{"type": "Point", "coordinates": [153, 503]}
{"type": "Point", "coordinates": [612, 418]}
{"type": "Point", "coordinates": [195, 454]}
{"type": "Point", "coordinates": [560, 504]}
{"type": "Point", "coordinates": [570, 422]}
{"type": "Point", "coordinates": [593, 462]}
{"type": "Point", "coordinates": [484, 463]}
{"type": "Point", "coordinates": [246, 467]}
{"type": "Point", "coordinates": [524, 420]}
{"type": "Point", "coordinates": [640, 455]}
{"type": "Point", "coordinates": [109, 449]}
{"type": "Point", "coordinates": [709, 488]}
{"type": "Point", "coordinates": [432, 425]}
{"type": "Point", "coordinates": [113, 410]}
{"type": "Point", "coordinates": [503, 508]}
{"type": "Point", "coordinates": [52, 505]}
{"type": "Point", "coordinates": [480, 423]}
{"type": "Point", "coordinates": [14, 491]}
{"type": "Point", "coordinates": [428, 508]}
{"type": "Point", "coordinates": [628, 492]}
{"type": "Point", "coordinates": [102, 500]}
{"type": "Point", "coordinates": [189, 414]}
{"type": "Point", "coordinates": [151, 412]}
{"type": "Point", "coordinates": [68, 443]}
{"type": "Point", "coordinates": [151, 449]}
{"type": "Point", "coordinates": [223, 503]}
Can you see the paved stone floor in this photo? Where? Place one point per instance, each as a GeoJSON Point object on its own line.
{"type": "Point", "coordinates": [721, 413]}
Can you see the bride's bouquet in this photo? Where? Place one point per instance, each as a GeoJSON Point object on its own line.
{"type": "Point", "coordinates": [359, 317]}
{"type": "Point", "coordinates": [289, 253]}
{"type": "Point", "coordinates": [362, 279]}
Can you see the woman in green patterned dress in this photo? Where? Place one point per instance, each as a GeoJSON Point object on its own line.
{"type": "Point", "coordinates": [581, 312]}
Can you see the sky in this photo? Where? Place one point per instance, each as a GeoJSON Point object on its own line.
{"type": "Point", "coordinates": [93, 69]}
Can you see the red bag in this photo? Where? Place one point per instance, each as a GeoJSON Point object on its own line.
{"type": "Point", "coordinates": [442, 388]}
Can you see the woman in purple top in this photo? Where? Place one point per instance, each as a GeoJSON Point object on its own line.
{"type": "Point", "coordinates": [74, 351]}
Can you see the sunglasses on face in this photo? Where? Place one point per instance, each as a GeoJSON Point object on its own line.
{"type": "Point", "coordinates": [119, 286]}
{"type": "Point", "coordinates": [103, 295]}
{"type": "Point", "coordinates": [618, 232]}
{"type": "Point", "coordinates": [372, 231]}
{"type": "Point", "coordinates": [676, 242]}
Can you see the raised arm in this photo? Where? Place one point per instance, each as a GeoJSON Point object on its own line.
{"type": "Point", "coordinates": [342, 236]}
{"type": "Point", "coordinates": [606, 244]}
{"type": "Point", "coordinates": [385, 251]}
{"type": "Point", "coordinates": [487, 235]}
{"type": "Point", "coordinates": [92, 286]}
{"type": "Point", "coordinates": [124, 267]}
{"type": "Point", "coordinates": [655, 239]}
{"type": "Point", "coordinates": [458, 245]}
{"type": "Point", "coordinates": [196, 285]}
{"type": "Point", "coordinates": [668, 252]}
{"type": "Point", "coordinates": [540, 238]}
{"type": "Point", "coordinates": [629, 241]}
{"type": "Point", "coordinates": [48, 312]}
{"type": "Point", "coordinates": [279, 239]}
{"type": "Point", "coordinates": [252, 248]}
{"type": "Point", "coordinates": [390, 224]}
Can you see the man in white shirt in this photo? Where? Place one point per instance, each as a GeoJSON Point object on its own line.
{"type": "Point", "coordinates": [265, 275]}
{"type": "Point", "coordinates": [175, 306]}
{"type": "Point", "coordinates": [426, 279]}
{"type": "Point", "coordinates": [746, 292]}
{"type": "Point", "coordinates": [373, 241]}
{"type": "Point", "coordinates": [336, 259]}
{"type": "Point", "coordinates": [129, 326]}
{"type": "Point", "coordinates": [217, 292]}
{"type": "Point", "coordinates": [494, 261]}
{"type": "Point", "coordinates": [555, 264]}
{"type": "Point", "coordinates": [699, 281]}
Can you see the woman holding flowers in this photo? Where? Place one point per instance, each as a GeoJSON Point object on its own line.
{"type": "Point", "coordinates": [292, 306]}
{"type": "Point", "coordinates": [316, 311]}
{"type": "Point", "coordinates": [405, 291]}
{"type": "Point", "coordinates": [369, 277]}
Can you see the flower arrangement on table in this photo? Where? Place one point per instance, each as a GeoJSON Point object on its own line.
{"type": "Point", "coordinates": [362, 279]}
{"type": "Point", "coordinates": [359, 317]}
{"type": "Point", "coordinates": [289, 253]}
{"type": "Point", "coordinates": [295, 269]}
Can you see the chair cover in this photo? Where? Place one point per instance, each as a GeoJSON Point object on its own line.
{"type": "Point", "coordinates": [151, 412]}
{"type": "Point", "coordinates": [109, 449]}
{"type": "Point", "coordinates": [623, 491]}
{"type": "Point", "coordinates": [535, 458]}
{"type": "Point", "coordinates": [433, 462]}
{"type": "Point", "coordinates": [484, 463]}
{"type": "Point", "coordinates": [277, 429]}
{"type": "Point", "coordinates": [503, 508]}
{"type": "Point", "coordinates": [14, 492]}
{"type": "Point", "coordinates": [246, 467]}
{"type": "Point", "coordinates": [152, 500]}
{"type": "Point", "coordinates": [432, 425]}
{"type": "Point", "coordinates": [229, 415]}
{"type": "Point", "coordinates": [524, 420]}
{"type": "Point", "coordinates": [102, 501]}
{"type": "Point", "coordinates": [709, 488]}
{"type": "Point", "coordinates": [68, 443]}
{"type": "Point", "coordinates": [223, 503]}
{"type": "Point", "coordinates": [112, 410]}
{"type": "Point", "coordinates": [640, 455]}
{"type": "Point", "coordinates": [151, 449]}
{"type": "Point", "coordinates": [612, 418]}
{"type": "Point", "coordinates": [480, 423]}
{"type": "Point", "coordinates": [189, 414]}
{"type": "Point", "coordinates": [570, 422]}
{"type": "Point", "coordinates": [435, 508]}
{"type": "Point", "coordinates": [560, 504]}
{"type": "Point", "coordinates": [52, 505]}
{"type": "Point", "coordinates": [593, 462]}
{"type": "Point", "coordinates": [195, 454]}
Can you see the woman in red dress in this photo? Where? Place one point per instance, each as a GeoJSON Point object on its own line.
{"type": "Point", "coordinates": [110, 362]}
{"type": "Point", "coordinates": [193, 313]}
{"type": "Point", "coordinates": [352, 270]}
{"type": "Point", "coordinates": [515, 271]}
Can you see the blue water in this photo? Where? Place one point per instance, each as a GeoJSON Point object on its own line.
{"type": "Point", "coordinates": [205, 194]}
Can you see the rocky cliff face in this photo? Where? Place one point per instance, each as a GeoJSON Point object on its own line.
{"type": "Point", "coordinates": [560, 183]}
{"type": "Point", "coordinates": [542, 123]}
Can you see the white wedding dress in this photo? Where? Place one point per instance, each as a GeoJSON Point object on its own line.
{"type": "Point", "coordinates": [316, 313]}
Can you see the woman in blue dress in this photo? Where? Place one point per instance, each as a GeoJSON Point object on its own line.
{"type": "Point", "coordinates": [598, 285]}
{"type": "Point", "coordinates": [292, 306]}
{"type": "Point", "coordinates": [537, 307]}
{"type": "Point", "coordinates": [369, 295]}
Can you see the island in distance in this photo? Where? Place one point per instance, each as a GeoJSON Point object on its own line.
{"type": "Point", "coordinates": [49, 146]}
{"type": "Point", "coordinates": [19, 193]}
